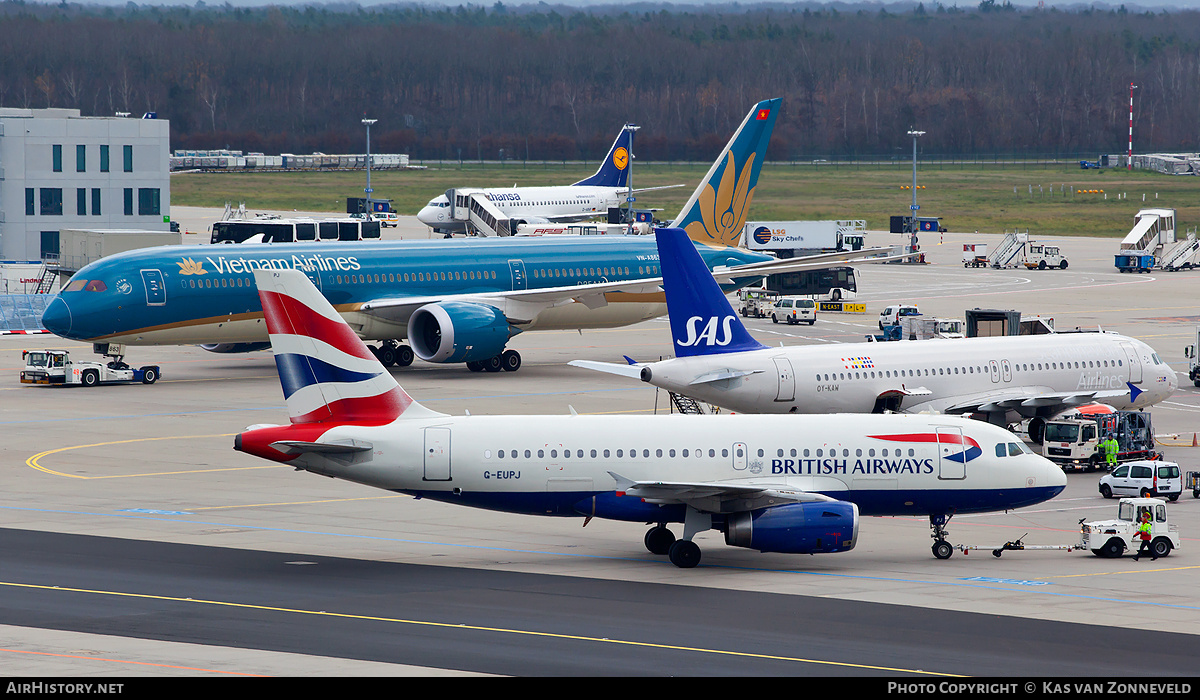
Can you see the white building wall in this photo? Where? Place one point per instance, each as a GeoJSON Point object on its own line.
{"type": "Point", "coordinates": [27, 141]}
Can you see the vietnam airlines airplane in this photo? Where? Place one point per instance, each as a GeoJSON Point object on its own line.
{"type": "Point", "coordinates": [790, 484]}
{"type": "Point", "coordinates": [453, 300]}
{"type": "Point", "coordinates": [1004, 379]}
{"type": "Point", "coordinates": [586, 199]}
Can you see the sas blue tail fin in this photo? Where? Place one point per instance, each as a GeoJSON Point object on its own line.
{"type": "Point", "coordinates": [702, 321]}
{"type": "Point", "coordinates": [717, 210]}
{"type": "Point", "coordinates": [614, 170]}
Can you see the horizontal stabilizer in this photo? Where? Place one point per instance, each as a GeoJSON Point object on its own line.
{"type": "Point", "coordinates": [338, 447]}
{"type": "Point", "coordinates": [720, 374]}
{"type": "Point", "coordinates": [634, 371]}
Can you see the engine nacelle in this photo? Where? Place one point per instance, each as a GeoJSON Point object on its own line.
{"type": "Point", "coordinates": [235, 347]}
{"type": "Point", "coordinates": [458, 331]}
{"type": "Point", "coordinates": [796, 528]}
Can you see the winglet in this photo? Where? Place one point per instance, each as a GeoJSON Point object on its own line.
{"type": "Point", "coordinates": [614, 169]}
{"type": "Point", "coordinates": [716, 212]}
{"type": "Point", "coordinates": [629, 359]}
{"type": "Point", "coordinates": [702, 321]}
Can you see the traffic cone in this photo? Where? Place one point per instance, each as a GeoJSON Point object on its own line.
{"type": "Point", "coordinates": [1194, 440]}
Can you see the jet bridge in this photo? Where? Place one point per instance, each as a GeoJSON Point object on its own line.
{"type": "Point", "coordinates": [474, 207]}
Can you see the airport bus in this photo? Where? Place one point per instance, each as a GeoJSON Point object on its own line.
{"type": "Point", "coordinates": [294, 230]}
{"type": "Point", "coordinates": [834, 284]}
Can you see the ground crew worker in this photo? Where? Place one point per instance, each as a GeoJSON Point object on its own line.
{"type": "Point", "coordinates": [1143, 533]}
{"type": "Point", "coordinates": [1110, 452]}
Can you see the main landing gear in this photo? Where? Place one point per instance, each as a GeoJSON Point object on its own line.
{"type": "Point", "coordinates": [391, 353]}
{"type": "Point", "coordinates": [509, 361]}
{"type": "Point", "coordinates": [683, 553]}
{"type": "Point", "coordinates": [941, 548]}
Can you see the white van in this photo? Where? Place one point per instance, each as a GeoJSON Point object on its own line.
{"type": "Point", "coordinates": [1138, 479]}
{"type": "Point", "coordinates": [891, 315]}
{"type": "Point", "coordinates": [386, 218]}
{"type": "Point", "coordinates": [794, 310]}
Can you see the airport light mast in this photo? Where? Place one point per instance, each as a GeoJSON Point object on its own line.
{"type": "Point", "coordinates": [1129, 162]}
{"type": "Point", "coordinates": [368, 190]}
{"type": "Point", "coordinates": [912, 210]}
{"type": "Point", "coordinates": [629, 180]}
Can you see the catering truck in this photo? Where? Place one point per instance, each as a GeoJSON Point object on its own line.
{"type": "Point", "coordinates": [790, 238]}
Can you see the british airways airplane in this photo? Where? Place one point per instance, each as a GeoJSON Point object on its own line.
{"type": "Point", "coordinates": [586, 199]}
{"type": "Point", "coordinates": [1004, 379]}
{"type": "Point", "coordinates": [789, 484]}
{"type": "Point", "coordinates": [453, 300]}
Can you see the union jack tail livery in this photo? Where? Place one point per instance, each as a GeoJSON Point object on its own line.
{"type": "Point", "coordinates": [328, 374]}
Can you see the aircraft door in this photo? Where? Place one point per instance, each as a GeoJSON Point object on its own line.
{"type": "Point", "coordinates": [437, 454]}
{"type": "Point", "coordinates": [156, 290]}
{"type": "Point", "coordinates": [1135, 363]}
{"type": "Point", "coordinates": [994, 368]}
{"type": "Point", "coordinates": [739, 455]}
{"type": "Point", "coordinates": [787, 379]}
{"type": "Point", "coordinates": [517, 268]}
{"type": "Point", "coordinates": [1006, 370]}
{"type": "Point", "coordinates": [952, 454]}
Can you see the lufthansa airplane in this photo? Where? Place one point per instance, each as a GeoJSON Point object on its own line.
{"type": "Point", "coordinates": [454, 300]}
{"type": "Point", "coordinates": [1005, 379]}
{"type": "Point", "coordinates": [588, 198]}
{"type": "Point", "coordinates": [789, 484]}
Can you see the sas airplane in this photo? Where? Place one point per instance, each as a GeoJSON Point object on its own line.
{"type": "Point", "coordinates": [1004, 379]}
{"type": "Point", "coordinates": [790, 484]}
{"type": "Point", "coordinates": [453, 300]}
{"type": "Point", "coordinates": [586, 199]}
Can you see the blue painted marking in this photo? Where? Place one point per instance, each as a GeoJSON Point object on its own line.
{"type": "Point", "coordinates": [1011, 581]}
{"type": "Point", "coordinates": [151, 511]}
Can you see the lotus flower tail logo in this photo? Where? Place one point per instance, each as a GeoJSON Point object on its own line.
{"type": "Point", "coordinates": [723, 211]}
{"type": "Point", "coordinates": [191, 267]}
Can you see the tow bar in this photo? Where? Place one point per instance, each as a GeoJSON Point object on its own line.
{"type": "Point", "coordinates": [1017, 546]}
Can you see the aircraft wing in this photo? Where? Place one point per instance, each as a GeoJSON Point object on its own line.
{"type": "Point", "coordinates": [1029, 400]}
{"type": "Point", "coordinates": [523, 305]}
{"type": "Point", "coordinates": [716, 496]}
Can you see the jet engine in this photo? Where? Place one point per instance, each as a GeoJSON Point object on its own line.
{"type": "Point", "coordinates": [458, 331]}
{"type": "Point", "coordinates": [235, 347]}
{"type": "Point", "coordinates": [796, 528]}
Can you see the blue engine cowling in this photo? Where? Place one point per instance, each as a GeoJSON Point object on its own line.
{"type": "Point", "coordinates": [458, 331]}
{"type": "Point", "coordinates": [235, 347]}
{"type": "Point", "coordinates": [796, 528]}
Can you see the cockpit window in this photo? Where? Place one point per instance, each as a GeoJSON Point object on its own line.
{"type": "Point", "coordinates": [75, 286]}
{"type": "Point", "coordinates": [1156, 359]}
{"type": "Point", "coordinates": [95, 286]}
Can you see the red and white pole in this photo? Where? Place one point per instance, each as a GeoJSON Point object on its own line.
{"type": "Point", "coordinates": [1129, 162]}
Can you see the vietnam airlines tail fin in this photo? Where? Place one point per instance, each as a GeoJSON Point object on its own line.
{"type": "Point", "coordinates": [328, 374]}
{"type": "Point", "coordinates": [614, 170]}
{"type": "Point", "coordinates": [702, 321]}
{"type": "Point", "coordinates": [716, 213]}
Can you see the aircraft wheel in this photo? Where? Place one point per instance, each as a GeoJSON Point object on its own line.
{"type": "Point", "coordinates": [684, 553]}
{"type": "Point", "coordinates": [386, 355]}
{"type": "Point", "coordinates": [149, 375]}
{"type": "Point", "coordinates": [942, 549]}
{"type": "Point", "coordinates": [659, 540]}
{"type": "Point", "coordinates": [404, 356]}
{"type": "Point", "coordinates": [90, 378]}
{"type": "Point", "coordinates": [493, 364]}
{"type": "Point", "coordinates": [510, 360]}
{"type": "Point", "coordinates": [475, 366]}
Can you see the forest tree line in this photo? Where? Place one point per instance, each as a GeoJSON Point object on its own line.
{"type": "Point", "coordinates": [546, 82]}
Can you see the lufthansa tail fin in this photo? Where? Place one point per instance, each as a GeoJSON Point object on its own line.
{"type": "Point", "coordinates": [327, 373]}
{"type": "Point", "coordinates": [614, 170]}
{"type": "Point", "coordinates": [716, 213]}
{"type": "Point", "coordinates": [702, 321]}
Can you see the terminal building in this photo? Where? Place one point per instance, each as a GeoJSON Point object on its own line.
{"type": "Point", "coordinates": [60, 170]}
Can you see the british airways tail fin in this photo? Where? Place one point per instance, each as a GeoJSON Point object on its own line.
{"type": "Point", "coordinates": [702, 321]}
{"type": "Point", "coordinates": [614, 170]}
{"type": "Point", "coordinates": [716, 213]}
{"type": "Point", "coordinates": [327, 373]}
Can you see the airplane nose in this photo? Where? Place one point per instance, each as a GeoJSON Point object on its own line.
{"type": "Point", "coordinates": [57, 318]}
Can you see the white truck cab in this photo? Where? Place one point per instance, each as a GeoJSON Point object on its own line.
{"type": "Point", "coordinates": [57, 367]}
{"type": "Point", "coordinates": [1110, 538]}
{"type": "Point", "coordinates": [794, 310]}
